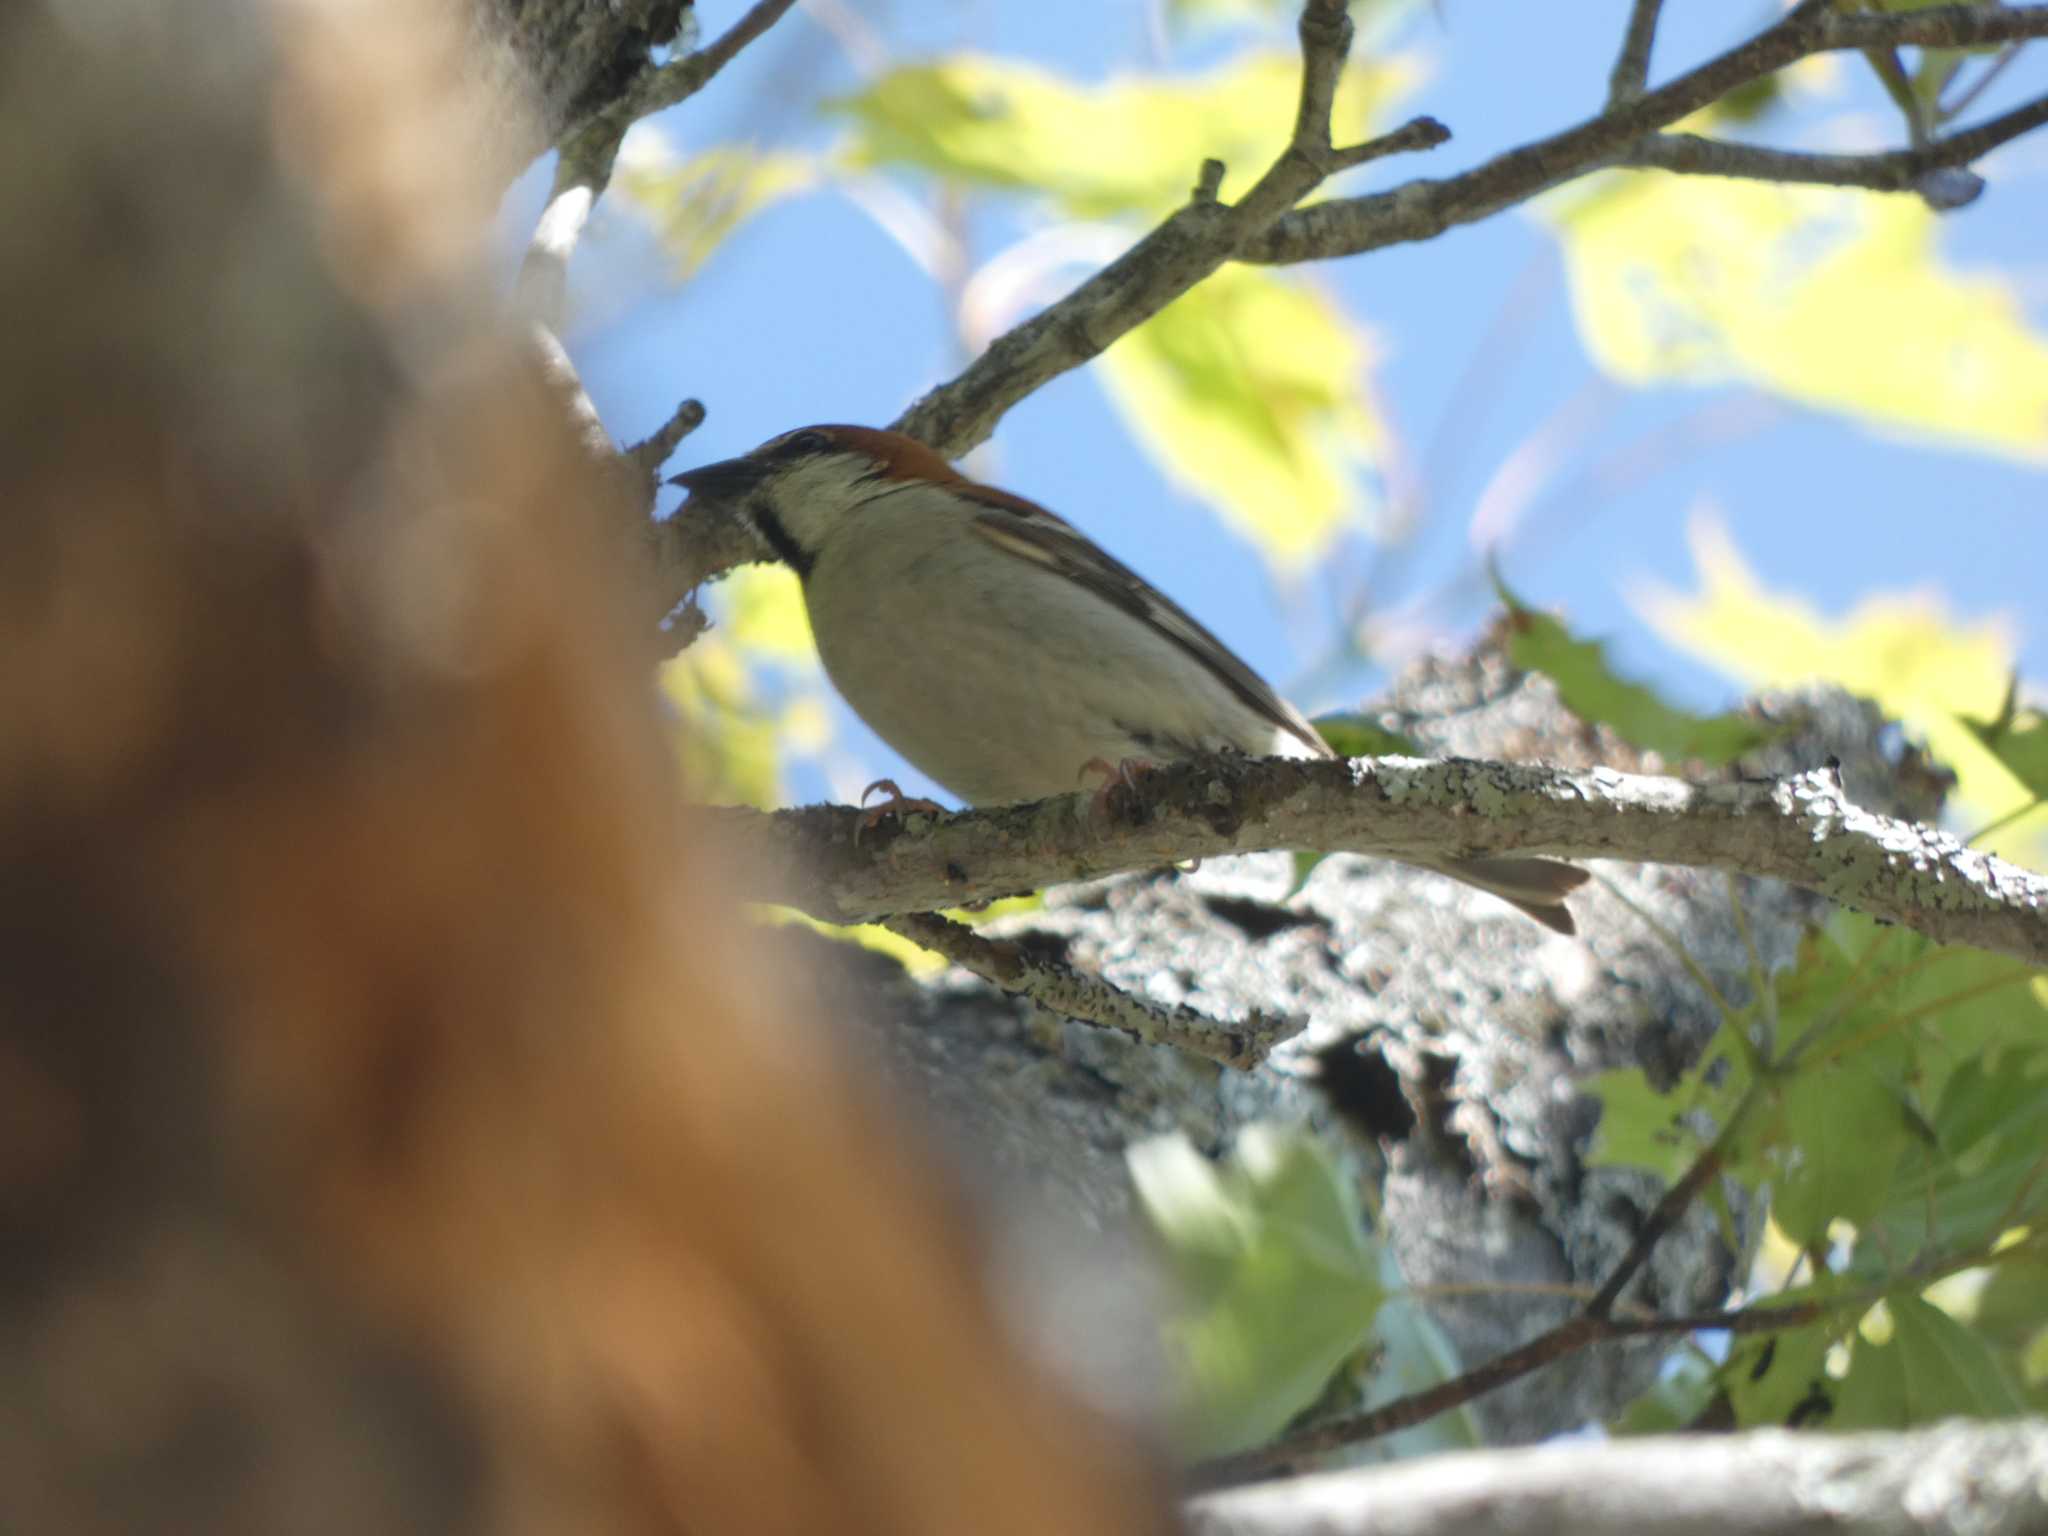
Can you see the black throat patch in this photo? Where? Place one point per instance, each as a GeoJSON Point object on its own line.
{"type": "Point", "coordinates": [787, 550]}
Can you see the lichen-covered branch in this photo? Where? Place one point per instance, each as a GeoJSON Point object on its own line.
{"type": "Point", "coordinates": [1800, 830]}
{"type": "Point", "coordinates": [1077, 995]}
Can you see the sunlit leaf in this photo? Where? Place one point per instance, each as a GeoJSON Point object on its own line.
{"type": "Point", "coordinates": [1131, 144]}
{"type": "Point", "coordinates": [2018, 738]}
{"type": "Point", "coordinates": [725, 739]}
{"type": "Point", "coordinates": [1829, 297]}
{"type": "Point", "coordinates": [1902, 650]}
{"type": "Point", "coordinates": [1247, 393]}
{"type": "Point", "coordinates": [1930, 1367]}
{"type": "Point", "coordinates": [1280, 1280]}
{"type": "Point", "coordinates": [1353, 735]}
{"type": "Point", "coordinates": [1591, 690]}
{"type": "Point", "coordinates": [913, 957]}
{"type": "Point", "coordinates": [694, 204]}
{"type": "Point", "coordinates": [1782, 1378]}
{"type": "Point", "coordinates": [760, 608]}
{"type": "Point", "coordinates": [1843, 1134]}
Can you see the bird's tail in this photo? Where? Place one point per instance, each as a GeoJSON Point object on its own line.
{"type": "Point", "coordinates": [1537, 887]}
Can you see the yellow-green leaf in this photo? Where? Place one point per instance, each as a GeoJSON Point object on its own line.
{"type": "Point", "coordinates": [694, 204]}
{"type": "Point", "coordinates": [1131, 144]}
{"type": "Point", "coordinates": [1901, 649]}
{"type": "Point", "coordinates": [2018, 738]}
{"type": "Point", "coordinates": [1281, 1282]}
{"type": "Point", "coordinates": [1833, 298]}
{"type": "Point", "coordinates": [1246, 391]}
{"type": "Point", "coordinates": [726, 742]}
{"type": "Point", "coordinates": [761, 610]}
{"type": "Point", "coordinates": [1913, 1364]}
{"type": "Point", "coordinates": [1591, 690]}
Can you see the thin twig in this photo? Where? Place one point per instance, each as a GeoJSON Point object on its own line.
{"type": "Point", "coordinates": [1063, 990]}
{"type": "Point", "coordinates": [1676, 1201]}
{"type": "Point", "coordinates": [1953, 110]}
{"type": "Point", "coordinates": [1632, 67]}
{"type": "Point", "coordinates": [1899, 170]}
{"type": "Point", "coordinates": [651, 452]}
{"type": "Point", "coordinates": [1567, 1338]}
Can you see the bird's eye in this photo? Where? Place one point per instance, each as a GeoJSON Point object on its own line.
{"type": "Point", "coordinates": [806, 441]}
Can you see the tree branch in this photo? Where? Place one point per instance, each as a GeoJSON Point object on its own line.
{"type": "Point", "coordinates": [1800, 830]}
{"type": "Point", "coordinates": [1268, 226]}
{"type": "Point", "coordinates": [1077, 995]}
{"type": "Point", "coordinates": [1632, 66]}
{"type": "Point", "coordinates": [588, 152]}
{"type": "Point", "coordinates": [1768, 1483]}
{"type": "Point", "coordinates": [1899, 170]}
{"type": "Point", "coordinates": [1193, 242]}
{"type": "Point", "coordinates": [1425, 208]}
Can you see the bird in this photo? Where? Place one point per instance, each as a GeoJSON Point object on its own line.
{"type": "Point", "coordinates": [999, 649]}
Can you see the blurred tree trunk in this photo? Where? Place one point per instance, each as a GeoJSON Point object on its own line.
{"type": "Point", "coordinates": [395, 1132]}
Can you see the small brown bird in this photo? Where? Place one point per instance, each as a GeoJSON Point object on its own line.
{"type": "Point", "coordinates": [1002, 652]}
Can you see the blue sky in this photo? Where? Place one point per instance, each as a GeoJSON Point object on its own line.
{"type": "Point", "coordinates": [810, 312]}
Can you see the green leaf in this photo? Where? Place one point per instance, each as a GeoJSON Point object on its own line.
{"type": "Point", "coordinates": [1843, 1134]}
{"type": "Point", "coordinates": [1931, 1367]}
{"type": "Point", "coordinates": [1825, 296]}
{"type": "Point", "coordinates": [1132, 144]}
{"type": "Point", "coordinates": [1681, 1393]}
{"type": "Point", "coordinates": [1282, 1284]}
{"type": "Point", "coordinates": [1642, 1128]}
{"type": "Point", "coordinates": [695, 204]}
{"type": "Point", "coordinates": [1591, 690]}
{"type": "Point", "coordinates": [2018, 738]}
{"type": "Point", "coordinates": [1246, 393]}
{"type": "Point", "coordinates": [1781, 1377]}
{"type": "Point", "coordinates": [1903, 650]}
{"type": "Point", "coordinates": [1354, 735]}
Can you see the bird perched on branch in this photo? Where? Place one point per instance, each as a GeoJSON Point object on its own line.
{"type": "Point", "coordinates": [1001, 651]}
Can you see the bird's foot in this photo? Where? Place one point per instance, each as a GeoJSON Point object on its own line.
{"type": "Point", "coordinates": [898, 804]}
{"type": "Point", "coordinates": [1124, 773]}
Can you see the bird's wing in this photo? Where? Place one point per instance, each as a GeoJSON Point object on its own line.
{"type": "Point", "coordinates": [1027, 531]}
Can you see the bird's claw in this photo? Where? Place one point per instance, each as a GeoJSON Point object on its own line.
{"type": "Point", "coordinates": [1124, 773]}
{"type": "Point", "coordinates": [898, 804]}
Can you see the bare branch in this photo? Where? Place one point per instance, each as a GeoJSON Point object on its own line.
{"type": "Point", "coordinates": [1768, 1482]}
{"type": "Point", "coordinates": [1632, 67]}
{"type": "Point", "coordinates": [1268, 226]}
{"type": "Point", "coordinates": [1423, 209]}
{"type": "Point", "coordinates": [1193, 242]}
{"type": "Point", "coordinates": [1900, 170]}
{"type": "Point", "coordinates": [1800, 830]}
{"type": "Point", "coordinates": [650, 453]}
{"type": "Point", "coordinates": [1566, 1339]}
{"type": "Point", "coordinates": [1077, 995]}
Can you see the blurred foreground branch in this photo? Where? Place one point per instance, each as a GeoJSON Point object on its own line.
{"type": "Point", "coordinates": [1957, 1478]}
{"type": "Point", "coordinates": [397, 1133]}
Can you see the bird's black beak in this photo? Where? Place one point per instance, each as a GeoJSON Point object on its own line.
{"type": "Point", "coordinates": [728, 480]}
